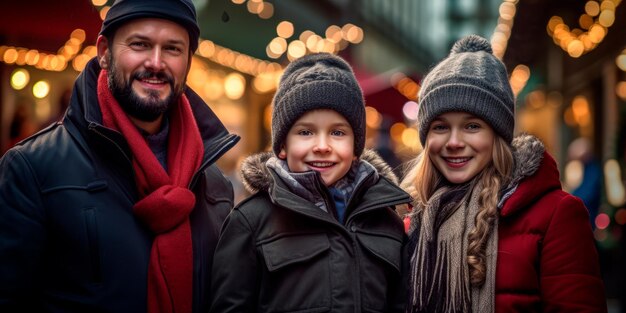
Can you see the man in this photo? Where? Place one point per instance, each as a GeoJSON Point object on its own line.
{"type": "Point", "coordinates": [118, 208]}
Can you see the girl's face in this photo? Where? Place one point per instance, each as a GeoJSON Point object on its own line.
{"type": "Point", "coordinates": [460, 145]}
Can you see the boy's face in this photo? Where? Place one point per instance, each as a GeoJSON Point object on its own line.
{"type": "Point", "coordinates": [320, 140]}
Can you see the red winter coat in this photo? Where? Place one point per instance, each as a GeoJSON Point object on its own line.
{"type": "Point", "coordinates": [547, 260]}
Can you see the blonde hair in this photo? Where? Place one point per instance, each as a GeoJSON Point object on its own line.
{"type": "Point", "coordinates": [422, 179]}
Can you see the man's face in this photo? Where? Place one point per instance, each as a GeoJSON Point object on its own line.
{"type": "Point", "coordinates": [147, 63]}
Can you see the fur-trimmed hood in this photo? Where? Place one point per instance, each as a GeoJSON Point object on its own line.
{"type": "Point", "coordinates": [256, 175]}
{"type": "Point", "coordinates": [535, 174]}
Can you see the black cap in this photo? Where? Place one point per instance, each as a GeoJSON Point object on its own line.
{"type": "Point", "coordinates": [182, 12]}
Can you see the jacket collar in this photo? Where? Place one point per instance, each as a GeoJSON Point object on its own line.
{"type": "Point", "coordinates": [535, 174]}
{"type": "Point", "coordinates": [257, 177]}
{"type": "Point", "coordinates": [380, 192]}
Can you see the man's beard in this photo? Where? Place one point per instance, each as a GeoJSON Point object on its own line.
{"type": "Point", "coordinates": [146, 109]}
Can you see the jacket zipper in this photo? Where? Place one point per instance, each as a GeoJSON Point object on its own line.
{"type": "Point", "coordinates": [94, 127]}
{"type": "Point", "coordinates": [228, 143]}
{"type": "Point", "coordinates": [219, 151]}
{"type": "Point", "coordinates": [382, 203]}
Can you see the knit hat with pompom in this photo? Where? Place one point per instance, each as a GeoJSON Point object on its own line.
{"type": "Point", "coordinates": [471, 79]}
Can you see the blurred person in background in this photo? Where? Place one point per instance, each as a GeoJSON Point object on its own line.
{"type": "Point", "coordinates": [118, 208]}
{"type": "Point", "coordinates": [589, 187]}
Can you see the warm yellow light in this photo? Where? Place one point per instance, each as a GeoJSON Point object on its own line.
{"type": "Point", "coordinates": [21, 57]}
{"type": "Point", "coordinates": [553, 22]}
{"type": "Point", "coordinates": [621, 61]}
{"type": "Point", "coordinates": [206, 48]}
{"type": "Point", "coordinates": [231, 114]}
{"type": "Point", "coordinates": [104, 11]}
{"type": "Point", "coordinates": [596, 33]}
{"type": "Point", "coordinates": [284, 29]}
{"type": "Point", "coordinates": [615, 192]}
{"type": "Point", "coordinates": [575, 48]}
{"type": "Point", "coordinates": [267, 11]}
{"type": "Point", "coordinates": [296, 49]}
{"type": "Point", "coordinates": [607, 5]}
{"type": "Point", "coordinates": [592, 8]}
{"type": "Point", "coordinates": [568, 117]}
{"type": "Point", "coordinates": [255, 7]}
{"type": "Point", "coordinates": [373, 118]}
{"type": "Point", "coordinates": [234, 85]}
{"type": "Point", "coordinates": [271, 54]}
{"type": "Point", "coordinates": [352, 33]}
{"type": "Point", "coordinates": [10, 55]}
{"type": "Point", "coordinates": [620, 90]}
{"type": "Point", "coordinates": [278, 46]}
{"type": "Point", "coordinates": [580, 105]}
{"type": "Point", "coordinates": [32, 56]}
{"type": "Point", "coordinates": [305, 35]}
{"type": "Point", "coordinates": [507, 10]}
{"type": "Point", "coordinates": [19, 79]}
{"type": "Point", "coordinates": [573, 174]}
{"type": "Point", "coordinates": [326, 45]}
{"type": "Point", "coordinates": [396, 131]}
{"type": "Point", "coordinates": [607, 18]}
{"type": "Point", "coordinates": [264, 82]}
{"type": "Point", "coordinates": [238, 1]}
{"type": "Point", "coordinates": [80, 61]}
{"type": "Point", "coordinates": [213, 89]}
{"type": "Point", "coordinates": [585, 21]}
{"type": "Point", "coordinates": [41, 89]}
{"type": "Point", "coordinates": [311, 42]}
{"type": "Point", "coordinates": [243, 63]}
{"type": "Point", "coordinates": [79, 34]}
{"type": "Point", "coordinates": [99, 3]}
{"type": "Point", "coordinates": [410, 137]}
{"type": "Point", "coordinates": [90, 51]}
{"type": "Point", "coordinates": [333, 33]}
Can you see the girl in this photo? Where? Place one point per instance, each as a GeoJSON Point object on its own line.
{"type": "Point", "coordinates": [491, 229]}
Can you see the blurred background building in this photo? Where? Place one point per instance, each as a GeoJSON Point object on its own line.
{"type": "Point", "coordinates": [566, 59]}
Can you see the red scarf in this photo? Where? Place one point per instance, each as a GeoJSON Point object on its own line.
{"type": "Point", "coordinates": [165, 202]}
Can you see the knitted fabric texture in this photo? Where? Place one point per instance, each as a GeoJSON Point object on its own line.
{"type": "Point", "coordinates": [471, 79]}
{"type": "Point", "coordinates": [164, 202]}
{"type": "Point", "coordinates": [318, 81]}
{"type": "Point", "coordinates": [182, 12]}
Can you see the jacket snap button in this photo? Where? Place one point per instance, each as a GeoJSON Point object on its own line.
{"type": "Point", "coordinates": [353, 228]}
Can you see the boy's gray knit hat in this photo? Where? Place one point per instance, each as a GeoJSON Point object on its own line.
{"type": "Point", "coordinates": [318, 81]}
{"type": "Point", "coordinates": [471, 79]}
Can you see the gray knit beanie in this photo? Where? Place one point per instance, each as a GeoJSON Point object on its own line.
{"type": "Point", "coordinates": [318, 81]}
{"type": "Point", "coordinates": [471, 79]}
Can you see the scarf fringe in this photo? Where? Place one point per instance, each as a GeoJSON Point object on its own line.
{"type": "Point", "coordinates": [439, 269]}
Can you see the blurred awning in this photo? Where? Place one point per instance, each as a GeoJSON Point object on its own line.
{"type": "Point", "coordinates": [46, 25]}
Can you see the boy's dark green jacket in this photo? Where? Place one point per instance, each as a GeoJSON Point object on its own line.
{"type": "Point", "coordinates": [281, 253]}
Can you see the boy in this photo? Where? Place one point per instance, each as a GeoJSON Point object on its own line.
{"type": "Point", "coordinates": [320, 234]}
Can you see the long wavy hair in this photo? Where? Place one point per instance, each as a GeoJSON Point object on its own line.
{"type": "Point", "coordinates": [422, 179]}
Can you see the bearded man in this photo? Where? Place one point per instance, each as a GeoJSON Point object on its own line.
{"type": "Point", "coordinates": [118, 207]}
